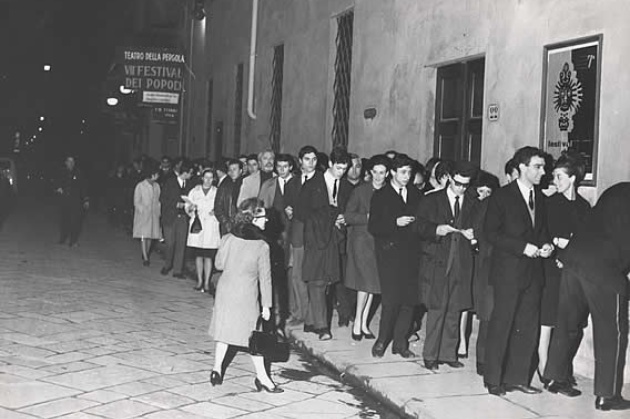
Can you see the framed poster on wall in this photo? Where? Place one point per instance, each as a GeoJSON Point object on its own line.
{"type": "Point", "coordinates": [570, 100]}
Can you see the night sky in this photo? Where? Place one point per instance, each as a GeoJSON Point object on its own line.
{"type": "Point", "coordinates": [78, 39]}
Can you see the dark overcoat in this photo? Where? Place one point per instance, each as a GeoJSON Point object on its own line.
{"type": "Point", "coordinates": [321, 237]}
{"type": "Point", "coordinates": [397, 248]}
{"type": "Point", "coordinates": [446, 263]}
{"type": "Point", "coordinates": [599, 251]}
{"type": "Point", "coordinates": [170, 196]}
{"type": "Point", "coordinates": [361, 269]}
{"type": "Point", "coordinates": [483, 298]}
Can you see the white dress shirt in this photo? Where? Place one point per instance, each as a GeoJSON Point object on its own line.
{"type": "Point", "coordinates": [330, 185]}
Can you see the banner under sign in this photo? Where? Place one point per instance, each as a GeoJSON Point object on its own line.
{"type": "Point", "coordinates": [160, 97]}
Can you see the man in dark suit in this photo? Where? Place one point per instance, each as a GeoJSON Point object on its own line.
{"type": "Point", "coordinates": [272, 193]}
{"type": "Point", "coordinates": [298, 292]}
{"type": "Point", "coordinates": [74, 200]}
{"type": "Point", "coordinates": [321, 206]}
{"type": "Point", "coordinates": [445, 224]}
{"type": "Point", "coordinates": [391, 222]}
{"type": "Point", "coordinates": [516, 227]}
{"type": "Point", "coordinates": [175, 219]}
{"type": "Point", "coordinates": [227, 194]}
{"type": "Point", "coordinates": [596, 266]}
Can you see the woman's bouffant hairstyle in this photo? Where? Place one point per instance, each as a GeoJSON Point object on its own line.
{"type": "Point", "coordinates": [215, 180]}
{"type": "Point", "coordinates": [247, 211]}
{"type": "Point", "coordinates": [573, 163]}
{"type": "Point", "coordinates": [149, 169]}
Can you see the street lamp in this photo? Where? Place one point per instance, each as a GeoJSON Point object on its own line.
{"type": "Point", "coordinates": [124, 90]}
{"type": "Point", "coordinates": [41, 118]}
{"type": "Point", "coordinates": [112, 101]}
{"type": "Point", "coordinates": [47, 67]}
{"type": "Point", "coordinates": [41, 129]}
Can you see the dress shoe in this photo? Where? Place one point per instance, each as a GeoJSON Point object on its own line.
{"type": "Point", "coordinates": [357, 336]}
{"type": "Point", "coordinates": [146, 263]}
{"type": "Point", "coordinates": [612, 403]}
{"type": "Point", "coordinates": [309, 328]}
{"type": "Point", "coordinates": [343, 321]}
{"type": "Point", "coordinates": [215, 378]}
{"type": "Point", "coordinates": [405, 353]}
{"type": "Point", "coordinates": [378, 350]}
{"type": "Point", "coordinates": [494, 389]}
{"type": "Point", "coordinates": [431, 365]}
{"type": "Point", "coordinates": [198, 288]}
{"type": "Point", "coordinates": [564, 388]}
{"type": "Point", "coordinates": [544, 381]}
{"type": "Point", "coordinates": [179, 276]}
{"type": "Point", "coordinates": [165, 271]}
{"type": "Point", "coordinates": [368, 335]}
{"type": "Point", "coordinates": [523, 388]}
{"type": "Point", "coordinates": [452, 364]}
{"type": "Point", "coordinates": [260, 387]}
{"type": "Point", "coordinates": [324, 334]}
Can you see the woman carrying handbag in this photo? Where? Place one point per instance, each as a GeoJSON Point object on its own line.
{"type": "Point", "coordinates": [244, 258]}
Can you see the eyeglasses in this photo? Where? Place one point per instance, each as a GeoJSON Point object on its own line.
{"type": "Point", "coordinates": [460, 184]}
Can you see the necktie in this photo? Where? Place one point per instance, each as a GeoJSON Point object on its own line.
{"type": "Point", "coordinates": [305, 179]}
{"type": "Point", "coordinates": [456, 210]}
{"type": "Point", "coordinates": [183, 184]}
{"type": "Point", "coordinates": [531, 199]}
{"type": "Point", "coordinates": [400, 192]}
{"type": "Point", "coordinates": [335, 191]}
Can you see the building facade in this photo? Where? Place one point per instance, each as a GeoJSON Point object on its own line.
{"type": "Point", "coordinates": [459, 79]}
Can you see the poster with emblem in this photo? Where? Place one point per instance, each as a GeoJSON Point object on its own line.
{"type": "Point", "coordinates": [570, 108]}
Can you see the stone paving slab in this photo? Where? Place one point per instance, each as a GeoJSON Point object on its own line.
{"type": "Point", "coordinates": [412, 390]}
{"type": "Point", "coordinates": [89, 333]}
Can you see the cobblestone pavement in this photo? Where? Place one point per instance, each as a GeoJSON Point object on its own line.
{"type": "Point", "coordinates": [88, 332]}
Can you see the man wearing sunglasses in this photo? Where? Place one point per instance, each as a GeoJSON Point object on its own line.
{"type": "Point", "coordinates": [445, 224]}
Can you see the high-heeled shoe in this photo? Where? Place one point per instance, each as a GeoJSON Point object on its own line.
{"type": "Point", "coordinates": [357, 337]}
{"type": "Point", "coordinates": [216, 379]}
{"type": "Point", "coordinates": [544, 381]}
{"type": "Point", "coordinates": [145, 262]}
{"type": "Point", "coordinates": [260, 386]}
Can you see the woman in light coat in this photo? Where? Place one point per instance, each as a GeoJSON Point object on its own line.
{"type": "Point", "coordinates": [244, 287]}
{"type": "Point", "coordinates": [146, 217]}
{"type": "Point", "coordinates": [205, 242]}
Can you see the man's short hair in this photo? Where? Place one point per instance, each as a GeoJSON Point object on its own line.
{"type": "Point", "coordinates": [464, 169]}
{"type": "Point", "coordinates": [284, 158]}
{"type": "Point", "coordinates": [524, 155]}
{"type": "Point", "coordinates": [252, 157]}
{"type": "Point", "coordinates": [353, 156]}
{"type": "Point", "coordinates": [339, 156]}
{"type": "Point", "coordinates": [401, 160]}
{"type": "Point", "coordinates": [231, 162]}
{"type": "Point", "coordinates": [510, 166]}
{"type": "Point", "coordinates": [186, 166]}
{"type": "Point", "coordinates": [266, 151]}
{"type": "Point", "coordinates": [487, 179]}
{"type": "Point", "coordinates": [379, 160]}
{"type": "Point", "coordinates": [444, 168]}
{"type": "Point", "coordinates": [307, 149]}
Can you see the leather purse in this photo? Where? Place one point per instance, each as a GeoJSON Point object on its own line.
{"type": "Point", "coordinates": [195, 228]}
{"type": "Point", "coordinates": [269, 345]}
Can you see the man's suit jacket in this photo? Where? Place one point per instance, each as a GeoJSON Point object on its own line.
{"type": "Point", "coordinates": [274, 200]}
{"type": "Point", "coordinates": [509, 229]}
{"type": "Point", "coordinates": [322, 238]}
{"type": "Point", "coordinates": [397, 248]}
{"type": "Point", "coordinates": [292, 197]}
{"type": "Point", "coordinates": [225, 203]}
{"type": "Point", "coordinates": [447, 260]}
{"type": "Point", "coordinates": [170, 197]}
{"type": "Point", "coordinates": [250, 187]}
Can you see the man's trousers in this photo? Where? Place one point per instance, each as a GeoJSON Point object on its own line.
{"type": "Point", "coordinates": [609, 313]}
{"type": "Point", "coordinates": [175, 236]}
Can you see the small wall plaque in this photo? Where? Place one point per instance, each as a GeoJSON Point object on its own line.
{"type": "Point", "coordinates": [493, 112]}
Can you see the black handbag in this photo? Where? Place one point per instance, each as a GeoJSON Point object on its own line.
{"type": "Point", "coordinates": [269, 345]}
{"type": "Point", "coordinates": [195, 228]}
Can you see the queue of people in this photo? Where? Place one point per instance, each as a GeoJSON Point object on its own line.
{"type": "Point", "coordinates": [297, 238]}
